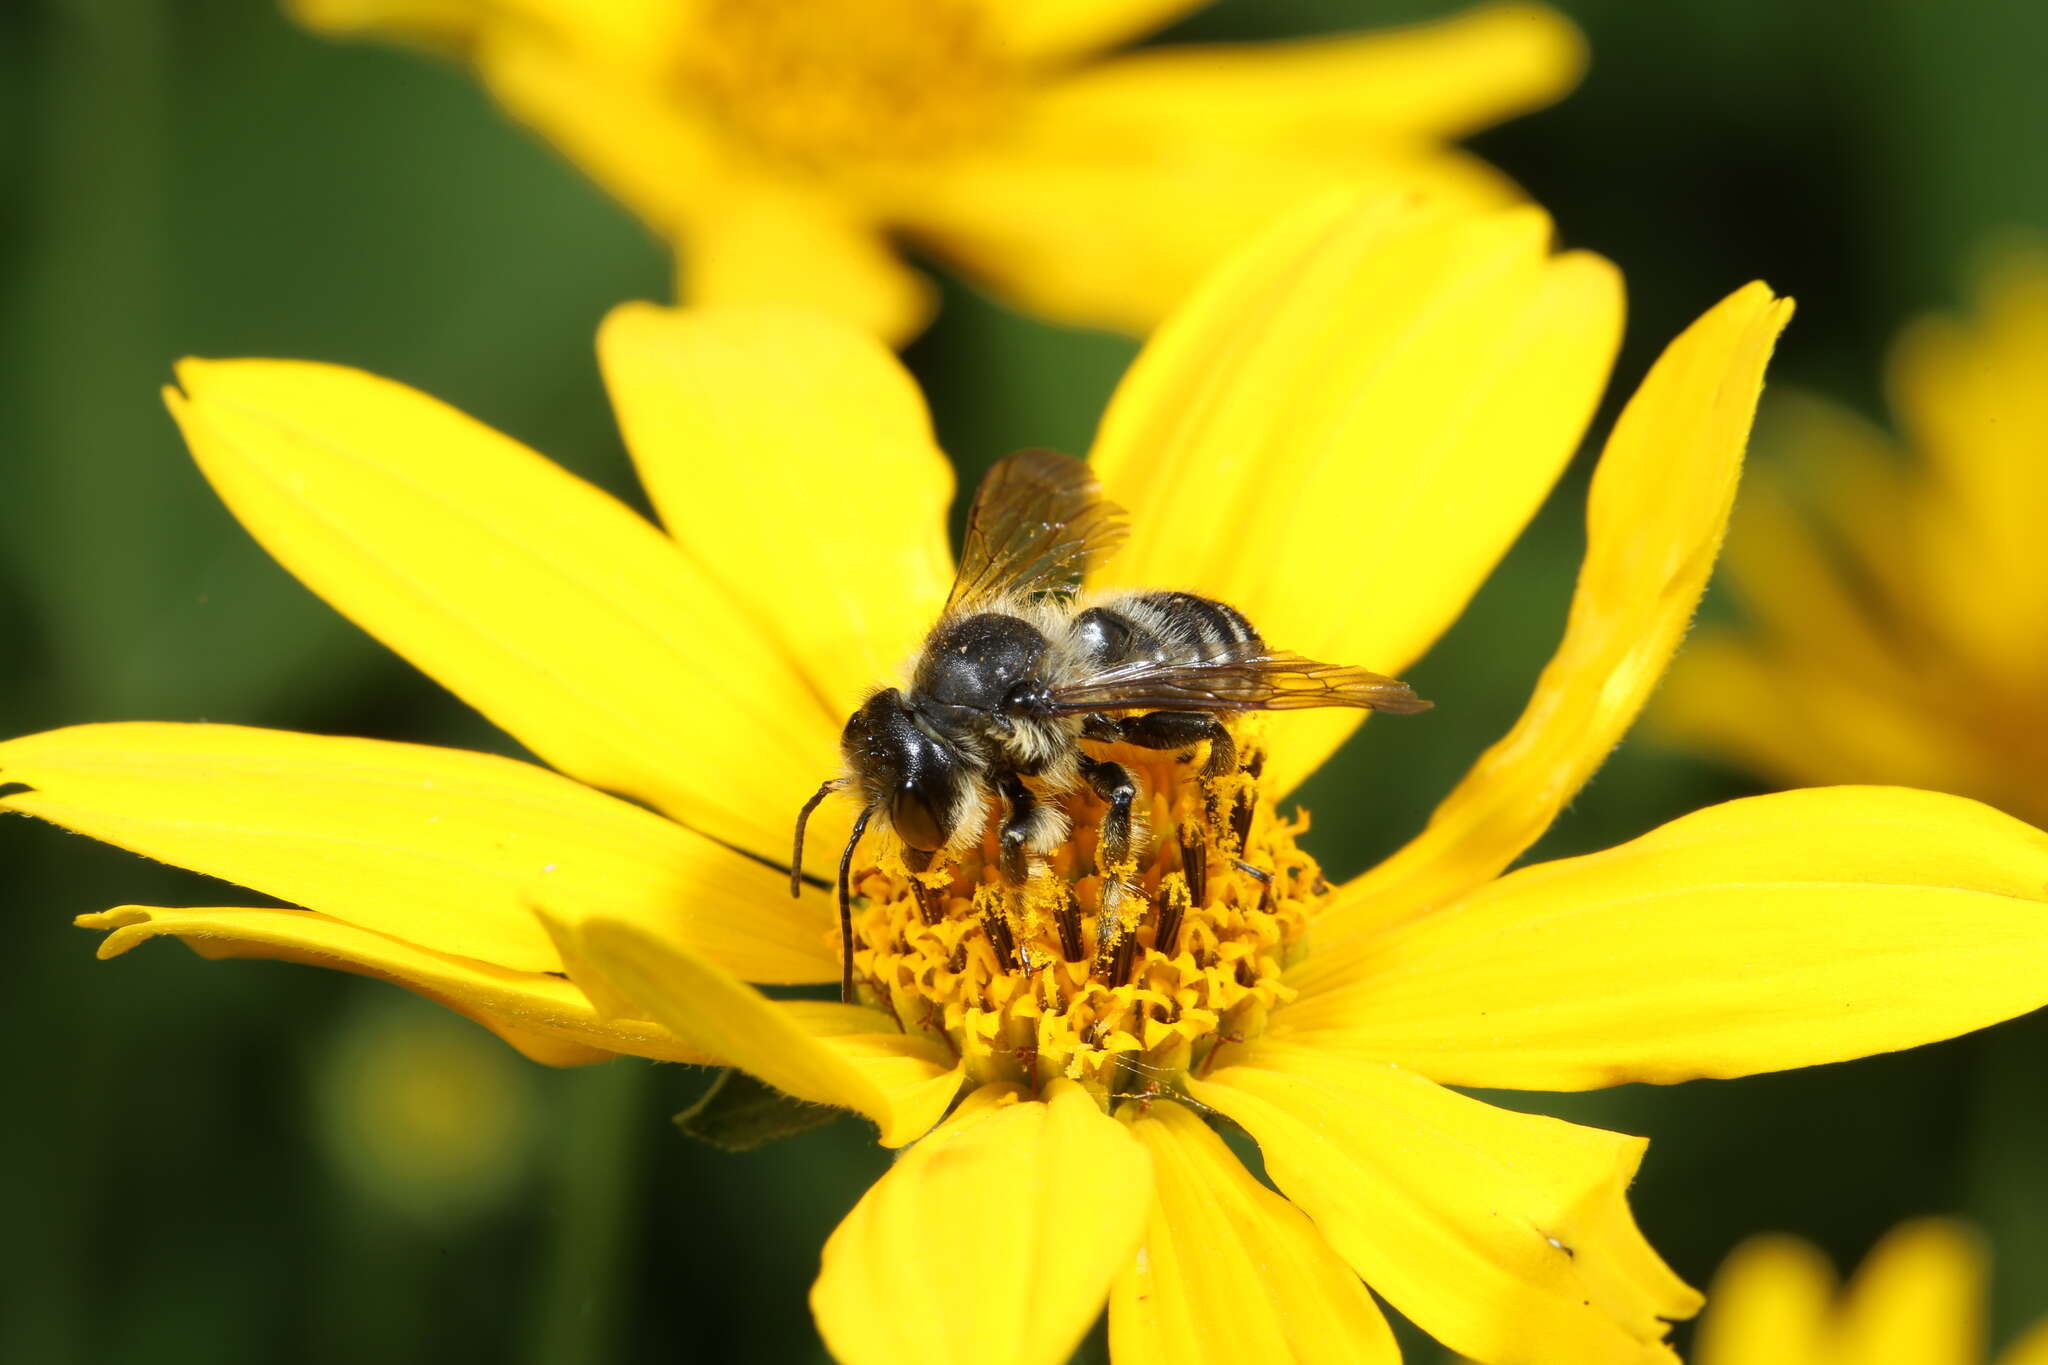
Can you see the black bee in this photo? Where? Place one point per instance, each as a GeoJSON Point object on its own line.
{"type": "Point", "coordinates": [1018, 677]}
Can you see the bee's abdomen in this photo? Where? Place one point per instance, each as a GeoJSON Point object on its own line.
{"type": "Point", "coordinates": [1158, 625]}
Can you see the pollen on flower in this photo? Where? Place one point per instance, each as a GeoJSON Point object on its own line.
{"type": "Point", "coordinates": [1029, 988]}
{"type": "Point", "coordinates": [846, 80]}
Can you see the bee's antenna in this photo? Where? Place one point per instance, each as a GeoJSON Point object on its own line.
{"type": "Point", "coordinates": [860, 827]}
{"type": "Point", "coordinates": [803, 817]}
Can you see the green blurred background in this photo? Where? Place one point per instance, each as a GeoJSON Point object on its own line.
{"type": "Point", "coordinates": [199, 1159]}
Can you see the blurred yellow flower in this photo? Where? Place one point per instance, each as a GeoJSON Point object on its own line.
{"type": "Point", "coordinates": [419, 1113]}
{"type": "Point", "coordinates": [1341, 433]}
{"type": "Point", "coordinates": [786, 148]}
{"type": "Point", "coordinates": [1917, 1300]}
{"type": "Point", "coordinates": [1899, 608]}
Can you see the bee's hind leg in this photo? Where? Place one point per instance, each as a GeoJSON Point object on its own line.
{"type": "Point", "coordinates": [1113, 783]}
{"type": "Point", "coordinates": [1169, 730]}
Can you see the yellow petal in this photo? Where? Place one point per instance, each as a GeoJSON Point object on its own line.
{"type": "Point", "coordinates": [547, 605]}
{"type": "Point", "coordinates": [1654, 521]}
{"type": "Point", "coordinates": [1770, 1304]}
{"type": "Point", "coordinates": [842, 1055]}
{"type": "Point", "coordinates": [543, 1016]}
{"type": "Point", "coordinates": [1918, 1299]}
{"type": "Point", "coordinates": [1774, 932]}
{"type": "Point", "coordinates": [1343, 432]}
{"type": "Point", "coordinates": [1229, 1272]}
{"type": "Point", "coordinates": [443, 24]}
{"type": "Point", "coordinates": [748, 233]}
{"type": "Point", "coordinates": [1093, 226]}
{"type": "Point", "coordinates": [611, 115]}
{"type": "Point", "coordinates": [437, 847]}
{"type": "Point", "coordinates": [1505, 1236]}
{"type": "Point", "coordinates": [1437, 79]}
{"type": "Point", "coordinates": [1114, 190]}
{"type": "Point", "coordinates": [1050, 31]}
{"type": "Point", "coordinates": [2030, 1349]}
{"type": "Point", "coordinates": [994, 1240]}
{"type": "Point", "coordinates": [793, 458]}
{"type": "Point", "coordinates": [1801, 720]}
{"type": "Point", "coordinates": [766, 240]}
{"type": "Point", "coordinates": [1968, 396]}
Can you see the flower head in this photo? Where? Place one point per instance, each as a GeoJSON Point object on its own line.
{"type": "Point", "coordinates": [1917, 1300]}
{"type": "Point", "coordinates": [1899, 608]}
{"type": "Point", "coordinates": [1338, 436]}
{"type": "Point", "coordinates": [784, 147]}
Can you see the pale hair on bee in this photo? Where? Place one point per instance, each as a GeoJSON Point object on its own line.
{"type": "Point", "coordinates": [1024, 674]}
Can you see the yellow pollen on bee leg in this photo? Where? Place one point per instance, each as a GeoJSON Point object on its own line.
{"type": "Point", "coordinates": [1026, 988]}
{"type": "Point", "coordinates": [831, 81]}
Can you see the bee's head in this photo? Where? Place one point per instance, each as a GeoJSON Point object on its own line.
{"type": "Point", "coordinates": [903, 771]}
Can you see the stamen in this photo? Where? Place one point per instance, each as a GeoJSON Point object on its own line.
{"type": "Point", "coordinates": [1194, 863]}
{"type": "Point", "coordinates": [1068, 917]}
{"type": "Point", "coordinates": [1175, 899]}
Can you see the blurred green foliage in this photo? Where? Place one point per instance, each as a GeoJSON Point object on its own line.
{"type": "Point", "coordinates": [200, 178]}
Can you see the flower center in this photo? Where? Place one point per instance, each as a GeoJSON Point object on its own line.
{"type": "Point", "coordinates": [1029, 986]}
{"type": "Point", "coordinates": [825, 81]}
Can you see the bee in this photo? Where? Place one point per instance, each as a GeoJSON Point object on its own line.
{"type": "Point", "coordinates": [1022, 675]}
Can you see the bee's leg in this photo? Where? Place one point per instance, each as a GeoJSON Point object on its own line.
{"type": "Point", "coordinates": [1112, 782]}
{"type": "Point", "coordinates": [1181, 730]}
{"type": "Point", "coordinates": [1013, 861]}
{"type": "Point", "coordinates": [1169, 730]}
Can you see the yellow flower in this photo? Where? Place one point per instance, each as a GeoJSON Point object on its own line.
{"type": "Point", "coordinates": [419, 1114]}
{"type": "Point", "coordinates": [786, 147]}
{"type": "Point", "coordinates": [1900, 612]}
{"type": "Point", "coordinates": [1917, 1300]}
{"type": "Point", "coordinates": [1340, 434]}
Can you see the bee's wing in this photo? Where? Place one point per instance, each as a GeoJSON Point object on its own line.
{"type": "Point", "coordinates": [1039, 521]}
{"type": "Point", "coordinates": [1247, 677]}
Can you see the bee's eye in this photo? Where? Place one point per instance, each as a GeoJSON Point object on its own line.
{"type": "Point", "coordinates": [915, 822]}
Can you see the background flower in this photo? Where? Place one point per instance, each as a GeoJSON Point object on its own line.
{"type": "Point", "coordinates": [208, 178]}
{"type": "Point", "coordinates": [785, 149]}
{"type": "Point", "coordinates": [1896, 604]}
{"type": "Point", "coordinates": [1917, 1299]}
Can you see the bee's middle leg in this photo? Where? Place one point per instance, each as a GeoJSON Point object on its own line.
{"type": "Point", "coordinates": [1112, 782]}
{"type": "Point", "coordinates": [1022, 825]}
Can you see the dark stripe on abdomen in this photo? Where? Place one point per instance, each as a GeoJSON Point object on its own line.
{"type": "Point", "coordinates": [1202, 620]}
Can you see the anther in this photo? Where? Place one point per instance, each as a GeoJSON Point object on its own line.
{"type": "Point", "coordinates": [1122, 960]}
{"type": "Point", "coordinates": [1241, 819]}
{"type": "Point", "coordinates": [1000, 938]}
{"type": "Point", "coordinates": [1174, 902]}
{"type": "Point", "coordinates": [929, 908]}
{"type": "Point", "coordinates": [1194, 863]}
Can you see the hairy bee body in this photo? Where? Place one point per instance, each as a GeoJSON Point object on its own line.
{"type": "Point", "coordinates": [1020, 674]}
{"type": "Point", "coordinates": [981, 694]}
